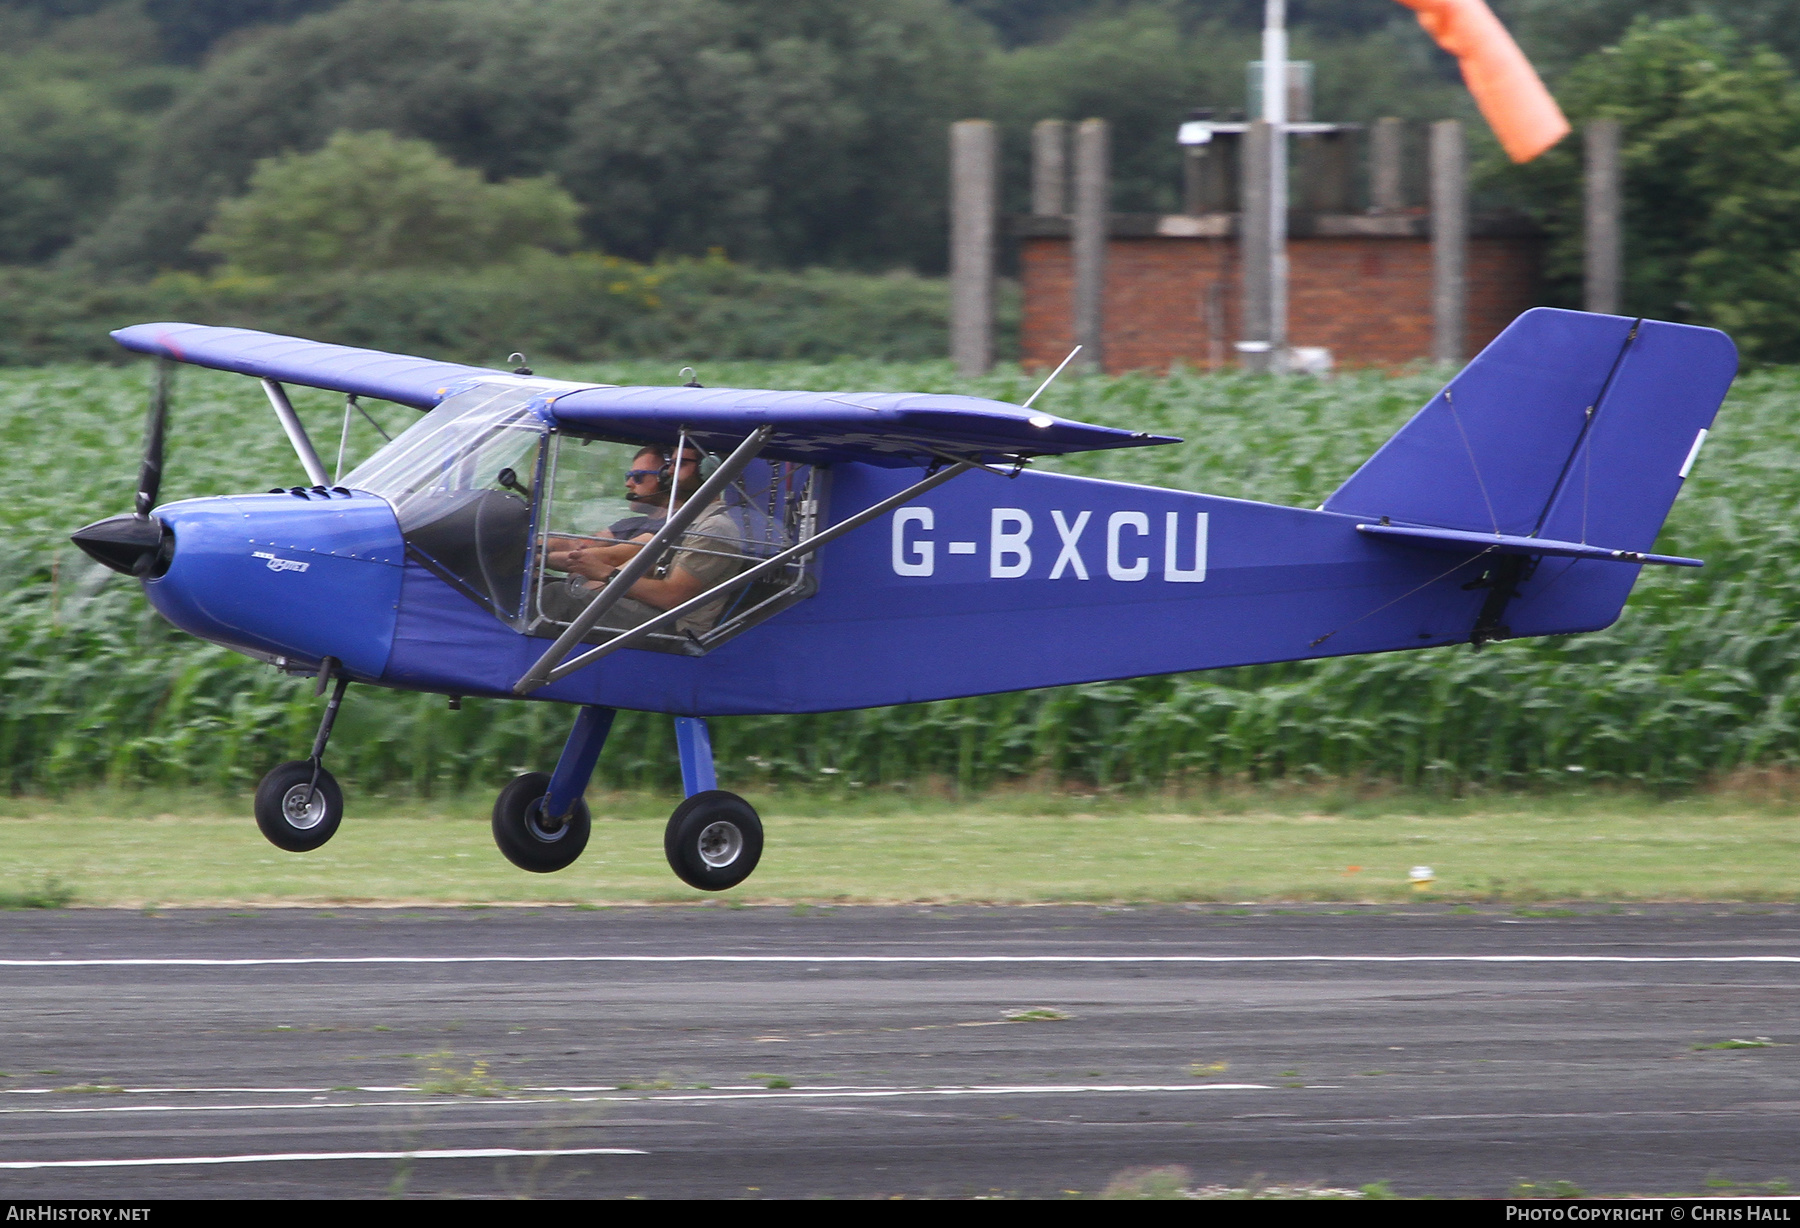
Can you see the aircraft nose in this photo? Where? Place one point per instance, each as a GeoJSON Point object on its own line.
{"type": "Point", "coordinates": [141, 546]}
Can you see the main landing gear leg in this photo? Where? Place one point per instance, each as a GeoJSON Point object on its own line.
{"type": "Point", "coordinates": [299, 804]}
{"type": "Point", "coordinates": [714, 838]}
{"type": "Point", "coordinates": [540, 822]}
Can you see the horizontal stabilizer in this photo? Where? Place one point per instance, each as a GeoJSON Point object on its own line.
{"type": "Point", "coordinates": [1457, 539]}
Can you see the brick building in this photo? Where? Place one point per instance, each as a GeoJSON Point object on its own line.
{"type": "Point", "coordinates": [1359, 284]}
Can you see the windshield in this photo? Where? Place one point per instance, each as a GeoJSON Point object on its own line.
{"type": "Point", "coordinates": [470, 442]}
{"type": "Point", "coordinates": [461, 480]}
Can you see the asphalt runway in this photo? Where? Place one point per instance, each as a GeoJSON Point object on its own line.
{"type": "Point", "coordinates": [866, 1052]}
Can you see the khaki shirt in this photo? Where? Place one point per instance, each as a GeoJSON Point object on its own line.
{"type": "Point", "coordinates": [712, 551]}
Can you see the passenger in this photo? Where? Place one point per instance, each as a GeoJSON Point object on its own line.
{"type": "Point", "coordinates": [709, 552]}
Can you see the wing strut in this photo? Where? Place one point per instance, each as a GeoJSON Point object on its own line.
{"type": "Point", "coordinates": [290, 422]}
{"type": "Point", "coordinates": [540, 676]}
{"type": "Point", "coordinates": [545, 669]}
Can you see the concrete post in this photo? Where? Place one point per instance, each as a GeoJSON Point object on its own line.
{"type": "Point", "coordinates": [1193, 179]}
{"type": "Point", "coordinates": [1449, 243]}
{"type": "Point", "coordinates": [1050, 168]}
{"type": "Point", "coordinates": [1325, 171]}
{"type": "Point", "coordinates": [1604, 244]}
{"type": "Point", "coordinates": [1093, 173]}
{"type": "Point", "coordinates": [974, 212]}
{"type": "Point", "coordinates": [1210, 175]}
{"type": "Point", "coordinates": [1387, 192]}
{"type": "Point", "coordinates": [1255, 239]}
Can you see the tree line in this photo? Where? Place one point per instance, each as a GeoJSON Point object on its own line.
{"type": "Point", "coordinates": [140, 137]}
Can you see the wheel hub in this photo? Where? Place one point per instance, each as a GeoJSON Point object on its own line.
{"type": "Point", "coordinates": [720, 843]}
{"type": "Point", "coordinates": [303, 812]}
{"type": "Point", "coordinates": [541, 826]}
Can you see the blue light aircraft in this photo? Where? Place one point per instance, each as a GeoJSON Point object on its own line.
{"type": "Point", "coordinates": [780, 552]}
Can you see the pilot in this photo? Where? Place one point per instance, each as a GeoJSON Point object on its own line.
{"type": "Point", "coordinates": [648, 484]}
{"type": "Point", "coordinates": [709, 552]}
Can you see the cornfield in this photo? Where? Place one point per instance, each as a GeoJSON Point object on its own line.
{"type": "Point", "coordinates": [1697, 679]}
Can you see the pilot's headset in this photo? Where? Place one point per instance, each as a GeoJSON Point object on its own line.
{"type": "Point", "coordinates": [706, 462]}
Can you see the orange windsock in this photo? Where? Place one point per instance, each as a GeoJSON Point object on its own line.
{"type": "Point", "coordinates": [1506, 88]}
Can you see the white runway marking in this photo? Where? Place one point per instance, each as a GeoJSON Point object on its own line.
{"type": "Point", "coordinates": [697, 1097]}
{"type": "Point", "coordinates": [352, 960]}
{"type": "Point", "coordinates": [473, 1153]}
{"type": "Point", "coordinates": [319, 1093]}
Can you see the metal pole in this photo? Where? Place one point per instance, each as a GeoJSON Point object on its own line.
{"type": "Point", "coordinates": [1449, 243]}
{"type": "Point", "coordinates": [1050, 168]}
{"type": "Point", "coordinates": [1275, 111]}
{"type": "Point", "coordinates": [337, 470]}
{"type": "Point", "coordinates": [1092, 204]}
{"type": "Point", "coordinates": [290, 422]}
{"type": "Point", "coordinates": [1254, 239]}
{"type": "Point", "coordinates": [1604, 239]}
{"type": "Point", "coordinates": [974, 211]}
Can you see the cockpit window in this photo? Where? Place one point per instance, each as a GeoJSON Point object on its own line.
{"type": "Point", "coordinates": [531, 522]}
{"type": "Point", "coordinates": [606, 500]}
{"type": "Point", "coordinates": [461, 481]}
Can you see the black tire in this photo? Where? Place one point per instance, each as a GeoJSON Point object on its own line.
{"type": "Point", "coordinates": [526, 839]}
{"type": "Point", "coordinates": [714, 840]}
{"type": "Point", "coordinates": [288, 824]}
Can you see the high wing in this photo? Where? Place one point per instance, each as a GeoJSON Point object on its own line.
{"type": "Point", "coordinates": [890, 429]}
{"type": "Point", "coordinates": [885, 429]}
{"type": "Point", "coordinates": [418, 382]}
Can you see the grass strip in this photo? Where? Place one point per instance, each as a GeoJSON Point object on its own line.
{"type": "Point", "coordinates": [195, 849]}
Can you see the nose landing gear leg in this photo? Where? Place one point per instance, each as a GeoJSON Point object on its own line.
{"type": "Point", "coordinates": [299, 804]}
{"type": "Point", "coordinates": [540, 822]}
{"type": "Point", "coordinates": [715, 838]}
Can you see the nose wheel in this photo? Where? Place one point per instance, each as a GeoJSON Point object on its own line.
{"type": "Point", "coordinates": [296, 812]}
{"type": "Point", "coordinates": [298, 804]}
{"type": "Point", "coordinates": [713, 840]}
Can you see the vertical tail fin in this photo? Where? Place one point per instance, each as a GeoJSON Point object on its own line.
{"type": "Point", "coordinates": [1570, 426]}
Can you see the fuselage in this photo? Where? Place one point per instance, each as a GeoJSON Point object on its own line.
{"type": "Point", "coordinates": [985, 584]}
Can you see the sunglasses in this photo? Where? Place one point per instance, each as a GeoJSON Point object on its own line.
{"type": "Point", "coordinates": [638, 475]}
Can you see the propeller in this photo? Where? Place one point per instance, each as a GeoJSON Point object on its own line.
{"type": "Point", "coordinates": [138, 544]}
{"type": "Point", "coordinates": [150, 469]}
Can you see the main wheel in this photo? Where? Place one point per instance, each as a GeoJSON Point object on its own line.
{"type": "Point", "coordinates": [290, 818]}
{"type": "Point", "coordinates": [713, 840]}
{"type": "Point", "coordinates": [528, 839]}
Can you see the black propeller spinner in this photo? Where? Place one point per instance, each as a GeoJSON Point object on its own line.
{"type": "Point", "coordinates": [138, 544]}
